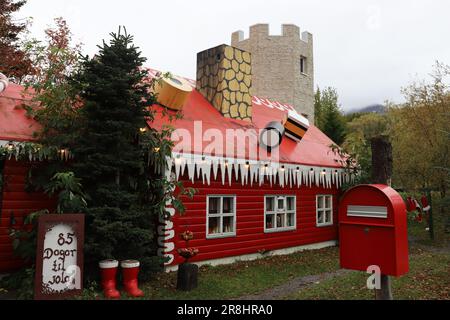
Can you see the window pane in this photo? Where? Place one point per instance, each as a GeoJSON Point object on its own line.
{"type": "Point", "coordinates": [281, 220]}
{"type": "Point", "coordinates": [320, 217]}
{"type": "Point", "coordinates": [228, 205]}
{"type": "Point", "coordinates": [320, 202]}
{"type": "Point", "coordinates": [328, 216]}
{"type": "Point", "coordinates": [270, 204]}
{"type": "Point", "coordinates": [291, 220]}
{"type": "Point", "coordinates": [228, 224]}
{"type": "Point", "coordinates": [270, 221]}
{"type": "Point", "coordinates": [280, 202]}
{"type": "Point", "coordinates": [328, 202]}
{"type": "Point", "coordinates": [291, 204]}
{"type": "Point", "coordinates": [214, 225]}
{"type": "Point", "coordinates": [214, 205]}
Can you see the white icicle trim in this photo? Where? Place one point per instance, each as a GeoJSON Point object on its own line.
{"type": "Point", "coordinates": [257, 172]}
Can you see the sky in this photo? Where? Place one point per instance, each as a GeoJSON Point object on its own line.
{"type": "Point", "coordinates": [368, 50]}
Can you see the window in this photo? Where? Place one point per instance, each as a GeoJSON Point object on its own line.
{"type": "Point", "coordinates": [324, 210]}
{"type": "Point", "coordinates": [280, 213]}
{"type": "Point", "coordinates": [303, 65]}
{"type": "Point", "coordinates": [221, 216]}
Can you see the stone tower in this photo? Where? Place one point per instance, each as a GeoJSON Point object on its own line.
{"type": "Point", "coordinates": [282, 66]}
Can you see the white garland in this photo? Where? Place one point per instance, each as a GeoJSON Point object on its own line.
{"type": "Point", "coordinates": [33, 151]}
{"type": "Point", "coordinates": [202, 166]}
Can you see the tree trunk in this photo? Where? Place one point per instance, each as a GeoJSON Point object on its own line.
{"type": "Point", "coordinates": [382, 174]}
{"type": "Point", "coordinates": [381, 160]}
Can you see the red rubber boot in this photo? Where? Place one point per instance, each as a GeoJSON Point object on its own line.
{"type": "Point", "coordinates": [130, 271]}
{"type": "Point", "coordinates": [108, 272]}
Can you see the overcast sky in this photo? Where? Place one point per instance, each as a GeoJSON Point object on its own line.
{"type": "Point", "coordinates": [368, 50]}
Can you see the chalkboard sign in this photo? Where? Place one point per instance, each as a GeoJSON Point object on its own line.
{"type": "Point", "coordinates": [59, 256]}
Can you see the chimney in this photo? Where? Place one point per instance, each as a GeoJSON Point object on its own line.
{"type": "Point", "coordinates": [224, 78]}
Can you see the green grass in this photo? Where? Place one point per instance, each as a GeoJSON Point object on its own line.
{"type": "Point", "coordinates": [241, 278]}
{"type": "Point", "coordinates": [429, 276]}
{"type": "Point", "coordinates": [428, 279]}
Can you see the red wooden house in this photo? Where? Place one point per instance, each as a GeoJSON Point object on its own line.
{"type": "Point", "coordinates": [15, 202]}
{"type": "Point", "coordinates": [251, 201]}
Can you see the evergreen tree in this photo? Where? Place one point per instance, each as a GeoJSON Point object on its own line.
{"type": "Point", "coordinates": [110, 157]}
{"type": "Point", "coordinates": [329, 117]}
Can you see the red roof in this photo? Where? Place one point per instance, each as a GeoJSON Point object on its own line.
{"type": "Point", "coordinates": [14, 124]}
{"type": "Point", "coordinates": [313, 150]}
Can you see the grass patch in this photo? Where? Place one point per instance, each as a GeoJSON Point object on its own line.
{"type": "Point", "coordinates": [241, 278]}
{"type": "Point", "coordinates": [428, 279]}
{"type": "Point", "coordinates": [417, 231]}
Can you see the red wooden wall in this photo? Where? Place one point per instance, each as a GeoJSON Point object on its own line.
{"type": "Point", "coordinates": [17, 202]}
{"type": "Point", "coordinates": [250, 236]}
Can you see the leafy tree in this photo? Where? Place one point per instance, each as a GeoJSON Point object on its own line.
{"type": "Point", "coordinates": [14, 62]}
{"type": "Point", "coordinates": [329, 117]}
{"type": "Point", "coordinates": [55, 104]}
{"type": "Point", "coordinates": [419, 130]}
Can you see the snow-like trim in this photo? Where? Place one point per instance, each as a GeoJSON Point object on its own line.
{"type": "Point", "coordinates": [255, 256]}
{"type": "Point", "coordinates": [166, 231]}
{"type": "Point", "coordinates": [108, 264]}
{"type": "Point", "coordinates": [29, 148]}
{"type": "Point", "coordinates": [128, 264]}
{"type": "Point", "coordinates": [286, 175]}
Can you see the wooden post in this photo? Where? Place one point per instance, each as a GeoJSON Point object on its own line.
{"type": "Point", "coordinates": [430, 216]}
{"type": "Point", "coordinates": [187, 277]}
{"type": "Point", "coordinates": [382, 174]}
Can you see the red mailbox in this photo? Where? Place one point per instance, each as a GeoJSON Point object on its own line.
{"type": "Point", "coordinates": [373, 230]}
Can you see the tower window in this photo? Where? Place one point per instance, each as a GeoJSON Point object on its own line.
{"type": "Point", "coordinates": [303, 65]}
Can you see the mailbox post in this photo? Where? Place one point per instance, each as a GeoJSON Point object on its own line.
{"type": "Point", "coordinates": [373, 230]}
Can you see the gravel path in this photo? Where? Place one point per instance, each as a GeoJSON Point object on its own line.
{"type": "Point", "coordinates": [293, 286]}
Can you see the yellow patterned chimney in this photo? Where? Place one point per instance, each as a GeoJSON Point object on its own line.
{"type": "Point", "coordinates": [224, 78]}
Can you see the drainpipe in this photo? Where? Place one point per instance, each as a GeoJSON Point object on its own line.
{"type": "Point", "coordinates": [3, 82]}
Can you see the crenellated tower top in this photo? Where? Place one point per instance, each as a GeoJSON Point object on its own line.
{"type": "Point", "coordinates": [283, 65]}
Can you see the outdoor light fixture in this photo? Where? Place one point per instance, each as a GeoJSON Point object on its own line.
{"type": "Point", "coordinates": [324, 172]}
{"type": "Point", "coordinates": [143, 130]}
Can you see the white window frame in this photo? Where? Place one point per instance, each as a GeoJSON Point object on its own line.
{"type": "Point", "coordinates": [221, 215]}
{"type": "Point", "coordinates": [285, 212]}
{"type": "Point", "coordinates": [324, 209]}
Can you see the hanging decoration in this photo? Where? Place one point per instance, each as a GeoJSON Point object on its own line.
{"type": "Point", "coordinates": [32, 151]}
